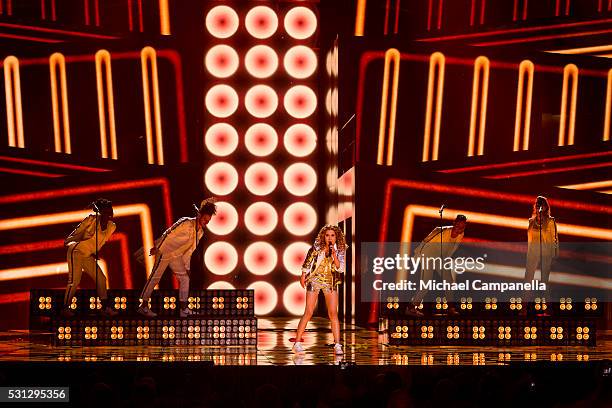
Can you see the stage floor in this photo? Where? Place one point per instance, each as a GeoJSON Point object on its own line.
{"type": "Point", "coordinates": [361, 346]}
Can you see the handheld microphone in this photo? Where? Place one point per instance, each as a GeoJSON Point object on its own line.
{"type": "Point", "coordinates": [442, 208]}
{"type": "Point", "coordinates": [540, 209]}
{"type": "Point", "coordinates": [329, 252]}
{"type": "Point", "coordinates": [95, 207]}
{"type": "Point", "coordinates": [196, 209]}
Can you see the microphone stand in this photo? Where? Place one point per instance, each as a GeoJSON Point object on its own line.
{"type": "Point", "coordinates": [96, 211]}
{"type": "Point", "coordinates": [541, 254]}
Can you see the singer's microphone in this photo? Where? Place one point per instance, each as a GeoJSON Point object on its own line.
{"type": "Point", "coordinates": [95, 207]}
{"type": "Point", "coordinates": [442, 208]}
{"type": "Point", "coordinates": [540, 209]}
{"type": "Point", "coordinates": [195, 208]}
{"type": "Point", "coordinates": [329, 252]}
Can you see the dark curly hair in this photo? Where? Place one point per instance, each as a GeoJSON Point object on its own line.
{"type": "Point", "coordinates": [340, 240]}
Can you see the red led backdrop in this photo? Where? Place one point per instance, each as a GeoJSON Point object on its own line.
{"type": "Point", "coordinates": [259, 146]}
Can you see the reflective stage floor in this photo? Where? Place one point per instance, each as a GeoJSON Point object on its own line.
{"type": "Point", "coordinates": [361, 347]}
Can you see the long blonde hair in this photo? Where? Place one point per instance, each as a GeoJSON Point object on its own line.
{"type": "Point", "coordinates": [340, 240]}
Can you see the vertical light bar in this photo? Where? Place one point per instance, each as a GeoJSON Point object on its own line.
{"type": "Point", "coordinates": [360, 18]}
{"type": "Point", "coordinates": [570, 70]}
{"type": "Point", "coordinates": [526, 67]}
{"type": "Point", "coordinates": [480, 90]}
{"type": "Point", "coordinates": [606, 132]}
{"type": "Point", "coordinates": [392, 55]}
{"type": "Point", "coordinates": [436, 64]}
{"type": "Point", "coordinates": [57, 61]}
{"type": "Point", "coordinates": [148, 55]}
{"type": "Point", "coordinates": [104, 72]}
{"type": "Point", "coordinates": [164, 17]}
{"type": "Point", "coordinates": [12, 91]}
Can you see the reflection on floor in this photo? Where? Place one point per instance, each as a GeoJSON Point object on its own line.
{"type": "Point", "coordinates": [361, 347]}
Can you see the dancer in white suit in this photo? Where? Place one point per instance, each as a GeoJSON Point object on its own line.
{"type": "Point", "coordinates": [174, 248]}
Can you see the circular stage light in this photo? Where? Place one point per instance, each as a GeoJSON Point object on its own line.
{"type": "Point", "coordinates": [261, 178]}
{"type": "Point", "coordinates": [300, 179]}
{"type": "Point", "coordinates": [225, 221]}
{"type": "Point", "coordinates": [261, 139]}
{"type": "Point", "coordinates": [266, 297]}
{"type": "Point", "coordinates": [261, 61]}
{"type": "Point", "coordinates": [221, 139]}
{"type": "Point", "coordinates": [293, 257]}
{"type": "Point", "coordinates": [260, 218]}
{"type": "Point", "coordinates": [221, 178]}
{"type": "Point", "coordinates": [300, 23]}
{"type": "Point", "coordinates": [221, 285]}
{"type": "Point", "coordinates": [300, 218]}
{"type": "Point", "coordinates": [300, 140]}
{"type": "Point", "coordinates": [261, 101]}
{"type": "Point", "coordinates": [221, 61]}
{"type": "Point", "coordinates": [300, 62]}
{"type": "Point", "coordinates": [222, 21]}
{"type": "Point", "coordinates": [261, 22]}
{"type": "Point", "coordinates": [221, 101]}
{"type": "Point", "coordinates": [300, 101]}
{"type": "Point", "coordinates": [260, 258]}
{"type": "Point", "coordinates": [294, 299]}
{"type": "Point", "coordinates": [221, 258]}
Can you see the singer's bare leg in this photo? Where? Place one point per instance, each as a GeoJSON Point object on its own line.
{"type": "Point", "coordinates": [331, 300]}
{"type": "Point", "coordinates": [311, 303]}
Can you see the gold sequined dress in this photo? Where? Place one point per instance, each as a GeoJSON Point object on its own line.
{"type": "Point", "coordinates": [322, 277]}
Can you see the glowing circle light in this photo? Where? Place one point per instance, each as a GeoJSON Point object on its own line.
{"type": "Point", "coordinates": [225, 221]}
{"type": "Point", "coordinates": [300, 179]}
{"type": "Point", "coordinates": [300, 23]}
{"type": "Point", "coordinates": [221, 258]}
{"type": "Point", "coordinates": [221, 101]}
{"type": "Point", "coordinates": [260, 258]}
{"type": "Point", "coordinates": [221, 285]}
{"type": "Point", "coordinates": [261, 61]}
{"type": "Point", "coordinates": [261, 101]}
{"type": "Point", "coordinates": [300, 101]}
{"type": "Point", "coordinates": [261, 22]}
{"type": "Point", "coordinates": [294, 298]}
{"type": "Point", "coordinates": [221, 178]}
{"type": "Point", "coordinates": [300, 62]}
{"type": "Point", "coordinates": [300, 218]}
{"type": "Point", "coordinates": [221, 61]}
{"type": "Point", "coordinates": [261, 139]}
{"type": "Point", "coordinates": [221, 139]}
{"type": "Point", "coordinates": [260, 218]}
{"type": "Point", "coordinates": [261, 178]}
{"type": "Point", "coordinates": [222, 21]}
{"type": "Point", "coordinates": [300, 140]}
{"type": "Point", "coordinates": [266, 297]}
{"type": "Point", "coordinates": [293, 257]}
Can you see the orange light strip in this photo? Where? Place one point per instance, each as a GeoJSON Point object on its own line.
{"type": "Point", "coordinates": [360, 18]}
{"type": "Point", "coordinates": [148, 55]}
{"type": "Point", "coordinates": [480, 91]}
{"type": "Point", "coordinates": [391, 55]}
{"type": "Point", "coordinates": [56, 61]}
{"type": "Point", "coordinates": [140, 210]}
{"type": "Point", "coordinates": [104, 71]}
{"type": "Point", "coordinates": [583, 50]}
{"type": "Point", "coordinates": [526, 67]}
{"type": "Point", "coordinates": [436, 65]}
{"type": "Point", "coordinates": [40, 271]}
{"type": "Point", "coordinates": [12, 91]}
{"type": "Point", "coordinates": [570, 70]}
{"type": "Point", "coordinates": [594, 185]}
{"type": "Point", "coordinates": [164, 17]}
{"type": "Point", "coordinates": [606, 129]}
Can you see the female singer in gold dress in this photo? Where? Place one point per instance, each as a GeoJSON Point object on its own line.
{"type": "Point", "coordinates": [324, 263]}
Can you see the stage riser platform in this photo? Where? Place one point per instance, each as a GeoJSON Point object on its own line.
{"type": "Point", "coordinates": [492, 332]}
{"type": "Point", "coordinates": [158, 332]}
